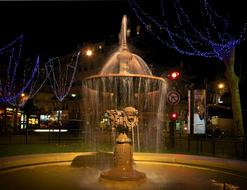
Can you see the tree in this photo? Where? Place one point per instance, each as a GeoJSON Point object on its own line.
{"type": "Point", "coordinates": [233, 83]}
{"type": "Point", "coordinates": [15, 77]}
{"type": "Point", "coordinates": [208, 35]}
{"type": "Point", "coordinates": [61, 73]}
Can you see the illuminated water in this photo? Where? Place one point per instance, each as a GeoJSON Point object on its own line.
{"type": "Point", "coordinates": [126, 81]}
{"type": "Point", "coordinates": [160, 176]}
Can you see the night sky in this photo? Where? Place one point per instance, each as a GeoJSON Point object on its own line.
{"type": "Point", "coordinates": [54, 28]}
{"type": "Point", "coordinates": [58, 27]}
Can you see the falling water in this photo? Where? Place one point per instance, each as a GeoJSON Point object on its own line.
{"type": "Point", "coordinates": [125, 80]}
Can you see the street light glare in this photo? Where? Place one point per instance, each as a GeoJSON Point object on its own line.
{"type": "Point", "coordinates": [174, 115]}
{"type": "Point", "coordinates": [173, 75]}
{"type": "Point", "coordinates": [89, 52]}
{"type": "Point", "coordinates": [221, 85]}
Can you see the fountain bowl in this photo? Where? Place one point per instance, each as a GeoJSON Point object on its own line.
{"type": "Point", "coordinates": [82, 171]}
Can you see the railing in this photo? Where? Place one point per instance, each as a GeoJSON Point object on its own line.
{"type": "Point", "coordinates": [227, 147]}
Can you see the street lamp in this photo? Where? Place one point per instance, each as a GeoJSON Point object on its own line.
{"type": "Point", "coordinates": [221, 89]}
{"type": "Point", "coordinates": [73, 95]}
{"type": "Point", "coordinates": [89, 52]}
{"type": "Point", "coordinates": [221, 85]}
{"type": "Point", "coordinates": [23, 99]}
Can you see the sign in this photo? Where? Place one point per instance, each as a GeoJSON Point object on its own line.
{"type": "Point", "coordinates": [189, 111]}
{"type": "Point", "coordinates": [173, 97]}
{"type": "Point", "coordinates": [197, 111]}
{"type": "Point", "coordinates": [199, 121]}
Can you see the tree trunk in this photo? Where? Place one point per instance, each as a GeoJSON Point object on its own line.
{"type": "Point", "coordinates": [233, 82]}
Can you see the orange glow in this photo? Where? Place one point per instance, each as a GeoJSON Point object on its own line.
{"type": "Point", "coordinates": [89, 52]}
{"type": "Point", "coordinates": [221, 85]}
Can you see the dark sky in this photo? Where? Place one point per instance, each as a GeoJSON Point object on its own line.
{"type": "Point", "coordinates": [56, 24]}
{"type": "Point", "coordinates": [57, 27]}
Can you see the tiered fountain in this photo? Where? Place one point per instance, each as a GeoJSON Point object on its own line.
{"type": "Point", "coordinates": [126, 81]}
{"type": "Point", "coordinates": [124, 87]}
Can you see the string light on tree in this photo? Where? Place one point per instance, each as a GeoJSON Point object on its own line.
{"type": "Point", "coordinates": [208, 35]}
{"type": "Point", "coordinates": [62, 73]}
{"type": "Point", "coordinates": [184, 35]}
{"type": "Point", "coordinates": [16, 80]}
{"type": "Point", "coordinates": [34, 87]}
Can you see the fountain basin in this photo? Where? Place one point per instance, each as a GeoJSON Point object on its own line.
{"type": "Point", "coordinates": [82, 171]}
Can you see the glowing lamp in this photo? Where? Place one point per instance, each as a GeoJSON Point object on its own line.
{"type": "Point", "coordinates": [173, 116]}
{"type": "Point", "coordinates": [173, 75]}
{"type": "Point", "coordinates": [89, 52]}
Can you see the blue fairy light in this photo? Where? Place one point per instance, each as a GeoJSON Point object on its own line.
{"type": "Point", "coordinates": [210, 41]}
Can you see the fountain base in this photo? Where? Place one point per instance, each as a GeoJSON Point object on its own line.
{"type": "Point", "coordinates": [122, 174]}
{"type": "Point", "coordinates": [123, 162]}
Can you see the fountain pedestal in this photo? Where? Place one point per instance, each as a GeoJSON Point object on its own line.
{"type": "Point", "coordinates": [123, 162]}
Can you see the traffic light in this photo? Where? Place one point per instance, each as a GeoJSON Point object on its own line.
{"type": "Point", "coordinates": [173, 75]}
{"type": "Point", "coordinates": [173, 116]}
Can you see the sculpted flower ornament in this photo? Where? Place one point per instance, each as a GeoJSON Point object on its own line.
{"type": "Point", "coordinates": [123, 120]}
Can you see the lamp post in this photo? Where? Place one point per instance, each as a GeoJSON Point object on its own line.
{"type": "Point", "coordinates": [22, 101]}
{"type": "Point", "coordinates": [220, 90]}
{"type": "Point", "coordinates": [87, 55]}
{"type": "Point", "coordinates": [23, 98]}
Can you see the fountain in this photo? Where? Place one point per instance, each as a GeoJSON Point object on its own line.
{"type": "Point", "coordinates": [126, 81]}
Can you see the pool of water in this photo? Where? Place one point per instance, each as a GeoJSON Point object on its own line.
{"type": "Point", "coordinates": [160, 176]}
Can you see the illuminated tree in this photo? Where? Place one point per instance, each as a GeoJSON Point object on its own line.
{"type": "Point", "coordinates": [34, 86]}
{"type": "Point", "coordinates": [61, 73]}
{"type": "Point", "coordinates": [206, 35]}
{"type": "Point", "coordinates": [15, 79]}
{"type": "Point", "coordinates": [16, 76]}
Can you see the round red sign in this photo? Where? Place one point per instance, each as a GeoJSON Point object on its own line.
{"type": "Point", "coordinates": [173, 97]}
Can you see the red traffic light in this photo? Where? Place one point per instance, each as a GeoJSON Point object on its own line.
{"type": "Point", "coordinates": [173, 75]}
{"type": "Point", "coordinates": [173, 116]}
